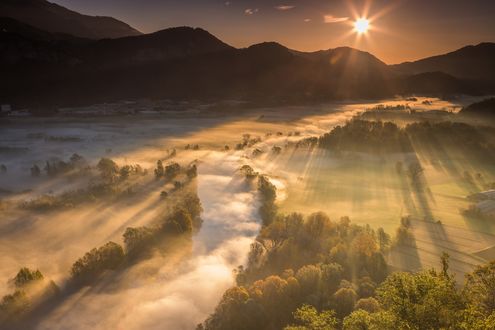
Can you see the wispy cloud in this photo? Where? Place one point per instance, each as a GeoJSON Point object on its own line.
{"type": "Point", "coordinates": [251, 11]}
{"type": "Point", "coordinates": [284, 7]}
{"type": "Point", "coordinates": [307, 20]}
{"type": "Point", "coordinates": [333, 19]}
{"type": "Point", "coordinates": [227, 3]}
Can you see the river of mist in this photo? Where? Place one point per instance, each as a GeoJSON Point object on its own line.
{"type": "Point", "coordinates": [163, 292]}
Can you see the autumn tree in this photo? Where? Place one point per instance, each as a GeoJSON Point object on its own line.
{"type": "Point", "coordinates": [308, 318]}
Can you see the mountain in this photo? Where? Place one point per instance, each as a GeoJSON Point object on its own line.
{"type": "Point", "coordinates": [159, 46]}
{"type": "Point", "coordinates": [53, 18]}
{"type": "Point", "coordinates": [482, 108]}
{"type": "Point", "coordinates": [436, 83]}
{"type": "Point", "coordinates": [20, 42]}
{"type": "Point", "coordinates": [471, 62]}
{"type": "Point", "coordinates": [179, 63]}
{"type": "Point", "coordinates": [41, 68]}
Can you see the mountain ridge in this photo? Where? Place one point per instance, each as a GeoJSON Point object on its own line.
{"type": "Point", "coordinates": [43, 68]}
{"type": "Point", "coordinates": [54, 18]}
{"type": "Point", "coordinates": [468, 62]}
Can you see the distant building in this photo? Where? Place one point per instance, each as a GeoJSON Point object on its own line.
{"type": "Point", "coordinates": [19, 113]}
{"type": "Point", "coordinates": [5, 108]}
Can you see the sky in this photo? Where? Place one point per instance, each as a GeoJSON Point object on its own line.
{"type": "Point", "coordinates": [400, 30]}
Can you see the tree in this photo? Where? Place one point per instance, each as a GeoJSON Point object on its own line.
{"type": "Point", "coordinates": [125, 172]}
{"type": "Point", "coordinates": [363, 320]}
{"type": "Point", "coordinates": [77, 161]}
{"type": "Point", "coordinates": [14, 304]}
{"type": "Point", "coordinates": [138, 240]}
{"type": "Point", "coordinates": [248, 172]}
{"type": "Point", "coordinates": [192, 171]}
{"type": "Point", "coordinates": [414, 171]}
{"type": "Point", "coordinates": [108, 169]}
{"type": "Point", "coordinates": [159, 170]}
{"type": "Point", "coordinates": [480, 288]}
{"type": "Point", "coordinates": [364, 244]}
{"type": "Point", "coordinates": [268, 194]}
{"type": "Point", "coordinates": [366, 287]}
{"type": "Point", "coordinates": [309, 278]}
{"type": "Point", "coordinates": [180, 222]}
{"type": "Point", "coordinates": [383, 239]}
{"type": "Point", "coordinates": [231, 312]}
{"type": "Point", "coordinates": [344, 300]}
{"type": "Point", "coordinates": [332, 274]}
{"type": "Point", "coordinates": [317, 225]}
{"type": "Point", "coordinates": [403, 235]}
{"type": "Point", "coordinates": [171, 171]}
{"type": "Point", "coordinates": [371, 305]}
{"type": "Point", "coordinates": [424, 300]}
{"type": "Point", "coordinates": [26, 276]}
{"type": "Point", "coordinates": [96, 262]}
{"type": "Point", "coordinates": [270, 292]}
{"type": "Point", "coordinates": [308, 318]}
{"type": "Point", "coordinates": [445, 264]}
{"type": "Point", "coordinates": [276, 150]}
{"type": "Point", "coordinates": [192, 204]}
{"type": "Point", "coordinates": [35, 171]}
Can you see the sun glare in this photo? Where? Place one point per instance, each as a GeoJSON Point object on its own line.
{"type": "Point", "coordinates": [361, 25]}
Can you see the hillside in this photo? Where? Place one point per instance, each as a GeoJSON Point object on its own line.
{"type": "Point", "coordinates": [482, 108]}
{"type": "Point", "coordinates": [181, 63]}
{"type": "Point", "coordinates": [53, 18]}
{"type": "Point", "coordinates": [471, 62]}
{"type": "Point", "coordinates": [43, 68]}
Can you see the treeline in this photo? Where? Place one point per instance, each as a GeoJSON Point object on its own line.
{"type": "Point", "coordinates": [314, 273]}
{"type": "Point", "coordinates": [366, 136]}
{"type": "Point", "coordinates": [476, 141]}
{"type": "Point", "coordinates": [30, 287]}
{"type": "Point", "coordinates": [377, 137]}
{"type": "Point", "coordinates": [166, 233]}
{"type": "Point", "coordinates": [110, 182]}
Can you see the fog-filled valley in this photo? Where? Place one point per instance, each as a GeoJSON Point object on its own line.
{"type": "Point", "coordinates": [72, 184]}
{"type": "Point", "coordinates": [247, 165]}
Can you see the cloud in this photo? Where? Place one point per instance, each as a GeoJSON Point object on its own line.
{"type": "Point", "coordinates": [307, 20]}
{"type": "Point", "coordinates": [333, 19]}
{"type": "Point", "coordinates": [284, 7]}
{"type": "Point", "coordinates": [228, 3]}
{"type": "Point", "coordinates": [251, 11]}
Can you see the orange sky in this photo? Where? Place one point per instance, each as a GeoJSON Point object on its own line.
{"type": "Point", "coordinates": [402, 29]}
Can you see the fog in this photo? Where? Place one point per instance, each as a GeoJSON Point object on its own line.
{"type": "Point", "coordinates": [173, 291]}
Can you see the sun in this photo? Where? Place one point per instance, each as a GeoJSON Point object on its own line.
{"type": "Point", "coordinates": [361, 25]}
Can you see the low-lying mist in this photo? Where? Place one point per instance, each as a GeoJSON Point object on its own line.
{"type": "Point", "coordinates": [179, 289]}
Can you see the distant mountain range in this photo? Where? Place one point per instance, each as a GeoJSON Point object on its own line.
{"type": "Point", "coordinates": [53, 18]}
{"type": "Point", "coordinates": [485, 108]}
{"type": "Point", "coordinates": [46, 66]}
{"type": "Point", "coordinates": [471, 62]}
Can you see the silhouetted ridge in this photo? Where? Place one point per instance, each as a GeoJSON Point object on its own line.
{"type": "Point", "coordinates": [482, 108]}
{"type": "Point", "coordinates": [470, 62]}
{"type": "Point", "coordinates": [42, 68]}
{"type": "Point", "coordinates": [54, 18]}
